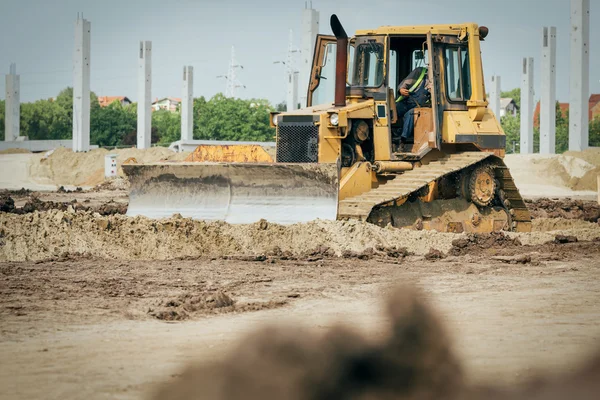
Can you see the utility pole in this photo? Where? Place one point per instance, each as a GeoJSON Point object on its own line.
{"type": "Point", "coordinates": [291, 75]}
{"type": "Point", "coordinates": [232, 82]}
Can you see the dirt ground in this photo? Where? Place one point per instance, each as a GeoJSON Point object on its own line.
{"type": "Point", "coordinates": [77, 324]}
{"type": "Point", "coordinates": [86, 327]}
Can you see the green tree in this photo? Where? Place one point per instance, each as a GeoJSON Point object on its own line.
{"type": "Point", "coordinates": [562, 130]}
{"type": "Point", "coordinates": [223, 118]}
{"type": "Point", "coordinates": [110, 125]}
{"type": "Point", "coordinates": [45, 120]}
{"type": "Point", "coordinates": [512, 129]}
{"type": "Point", "coordinates": [595, 132]}
{"type": "Point", "coordinates": [168, 126]}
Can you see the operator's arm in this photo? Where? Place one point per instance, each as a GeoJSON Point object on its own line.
{"type": "Point", "coordinates": [409, 81]}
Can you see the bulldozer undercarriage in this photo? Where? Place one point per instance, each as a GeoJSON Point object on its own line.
{"type": "Point", "coordinates": [465, 192]}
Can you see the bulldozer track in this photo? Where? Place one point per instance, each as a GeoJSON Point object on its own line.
{"type": "Point", "coordinates": [411, 182]}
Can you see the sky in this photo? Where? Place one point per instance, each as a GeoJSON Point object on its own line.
{"type": "Point", "coordinates": [38, 35]}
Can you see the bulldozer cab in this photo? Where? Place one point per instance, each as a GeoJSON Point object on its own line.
{"type": "Point", "coordinates": [377, 64]}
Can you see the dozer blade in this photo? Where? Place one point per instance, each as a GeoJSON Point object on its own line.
{"type": "Point", "coordinates": [237, 193]}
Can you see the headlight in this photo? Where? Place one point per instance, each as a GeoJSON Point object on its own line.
{"type": "Point", "coordinates": [334, 119]}
{"type": "Point", "coordinates": [274, 119]}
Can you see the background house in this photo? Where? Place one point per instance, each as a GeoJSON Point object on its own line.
{"type": "Point", "coordinates": [593, 109]}
{"type": "Point", "coordinates": [108, 100]}
{"type": "Point", "coordinates": [508, 107]}
{"type": "Point", "coordinates": [168, 103]}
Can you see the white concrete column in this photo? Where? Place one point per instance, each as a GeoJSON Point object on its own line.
{"type": "Point", "coordinates": [292, 91]}
{"type": "Point", "coordinates": [495, 96]}
{"type": "Point", "coordinates": [310, 29]}
{"type": "Point", "coordinates": [12, 115]}
{"type": "Point", "coordinates": [580, 75]}
{"type": "Point", "coordinates": [187, 104]}
{"type": "Point", "coordinates": [548, 92]}
{"type": "Point", "coordinates": [81, 86]}
{"type": "Point", "coordinates": [144, 106]}
{"type": "Point", "coordinates": [527, 107]}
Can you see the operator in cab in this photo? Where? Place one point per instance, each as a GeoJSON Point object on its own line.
{"type": "Point", "coordinates": [414, 91]}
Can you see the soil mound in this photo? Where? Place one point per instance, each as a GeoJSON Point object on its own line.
{"type": "Point", "coordinates": [64, 167]}
{"type": "Point", "coordinates": [574, 170]}
{"type": "Point", "coordinates": [43, 235]}
{"type": "Point", "coordinates": [414, 360]}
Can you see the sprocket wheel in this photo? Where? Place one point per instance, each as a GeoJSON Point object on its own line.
{"type": "Point", "coordinates": [481, 186]}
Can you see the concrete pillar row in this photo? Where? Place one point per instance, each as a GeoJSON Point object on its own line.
{"type": "Point", "coordinates": [495, 92]}
{"type": "Point", "coordinates": [12, 119]}
{"type": "Point", "coordinates": [187, 104]}
{"type": "Point", "coordinates": [144, 106]}
{"type": "Point", "coordinates": [310, 30]}
{"type": "Point", "coordinates": [527, 107]}
{"type": "Point", "coordinates": [580, 75]}
{"type": "Point", "coordinates": [548, 101]}
{"type": "Point", "coordinates": [81, 86]}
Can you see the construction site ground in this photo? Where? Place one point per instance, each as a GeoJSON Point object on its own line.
{"type": "Point", "coordinates": [94, 304]}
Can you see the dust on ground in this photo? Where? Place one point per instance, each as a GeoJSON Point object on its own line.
{"type": "Point", "coordinates": [64, 167]}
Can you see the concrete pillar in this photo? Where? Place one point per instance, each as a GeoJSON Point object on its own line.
{"type": "Point", "coordinates": [144, 106]}
{"type": "Point", "coordinates": [12, 116]}
{"type": "Point", "coordinates": [527, 107]}
{"type": "Point", "coordinates": [310, 29]}
{"type": "Point", "coordinates": [495, 96]}
{"type": "Point", "coordinates": [580, 75]}
{"type": "Point", "coordinates": [81, 86]}
{"type": "Point", "coordinates": [292, 91]}
{"type": "Point", "coordinates": [187, 104]}
{"type": "Point", "coordinates": [548, 92]}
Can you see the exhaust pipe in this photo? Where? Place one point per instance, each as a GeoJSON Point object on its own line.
{"type": "Point", "coordinates": [341, 61]}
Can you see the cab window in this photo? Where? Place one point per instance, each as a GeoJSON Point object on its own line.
{"type": "Point", "coordinates": [458, 73]}
{"type": "Point", "coordinates": [325, 92]}
{"type": "Point", "coordinates": [368, 65]}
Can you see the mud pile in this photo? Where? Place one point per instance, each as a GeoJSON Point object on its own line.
{"type": "Point", "coordinates": [567, 209]}
{"type": "Point", "coordinates": [64, 167]}
{"type": "Point", "coordinates": [50, 234]}
{"type": "Point", "coordinates": [33, 204]}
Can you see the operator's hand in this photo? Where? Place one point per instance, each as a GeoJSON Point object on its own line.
{"type": "Point", "coordinates": [404, 92]}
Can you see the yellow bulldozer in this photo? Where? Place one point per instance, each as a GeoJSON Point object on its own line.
{"type": "Point", "coordinates": [339, 158]}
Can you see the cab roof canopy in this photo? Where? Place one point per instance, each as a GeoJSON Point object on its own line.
{"type": "Point", "coordinates": [419, 29]}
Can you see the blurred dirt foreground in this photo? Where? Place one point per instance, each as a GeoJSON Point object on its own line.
{"type": "Point", "coordinates": [413, 360]}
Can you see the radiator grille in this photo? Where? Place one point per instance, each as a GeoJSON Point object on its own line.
{"type": "Point", "coordinates": [297, 142]}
